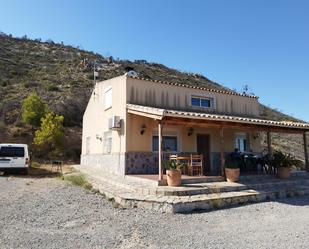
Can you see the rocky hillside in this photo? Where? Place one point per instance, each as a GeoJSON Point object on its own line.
{"type": "Point", "coordinates": [63, 76]}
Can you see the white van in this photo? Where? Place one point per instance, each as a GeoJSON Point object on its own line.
{"type": "Point", "coordinates": [14, 156]}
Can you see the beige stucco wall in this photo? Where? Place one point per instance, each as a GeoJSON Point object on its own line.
{"type": "Point", "coordinates": [95, 120]}
{"type": "Point", "coordinates": [129, 139]}
{"type": "Point", "coordinates": [174, 97]}
{"type": "Point", "coordinates": [137, 142]}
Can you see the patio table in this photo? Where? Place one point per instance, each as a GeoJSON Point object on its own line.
{"type": "Point", "coordinates": [186, 161]}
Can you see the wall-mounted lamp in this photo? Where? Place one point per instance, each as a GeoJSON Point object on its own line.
{"type": "Point", "coordinates": [99, 137]}
{"type": "Point", "coordinates": [190, 131]}
{"type": "Point", "coordinates": [143, 129]}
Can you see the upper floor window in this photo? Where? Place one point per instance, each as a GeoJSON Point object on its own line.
{"type": "Point", "coordinates": [108, 98]}
{"type": "Point", "coordinates": [201, 102]}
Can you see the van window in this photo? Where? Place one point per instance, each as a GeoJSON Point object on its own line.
{"type": "Point", "coordinates": [12, 151]}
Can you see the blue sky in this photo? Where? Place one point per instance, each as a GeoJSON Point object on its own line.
{"type": "Point", "coordinates": [264, 44]}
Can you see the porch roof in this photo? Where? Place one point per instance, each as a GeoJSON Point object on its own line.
{"type": "Point", "coordinates": [165, 114]}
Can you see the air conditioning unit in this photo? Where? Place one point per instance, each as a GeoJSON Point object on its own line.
{"type": "Point", "coordinates": [114, 123]}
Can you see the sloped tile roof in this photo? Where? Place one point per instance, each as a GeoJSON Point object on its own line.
{"type": "Point", "coordinates": [216, 117]}
{"type": "Point", "coordinates": [194, 87]}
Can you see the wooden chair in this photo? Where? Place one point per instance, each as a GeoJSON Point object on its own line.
{"type": "Point", "coordinates": [196, 165]}
{"type": "Point", "coordinates": [173, 157]}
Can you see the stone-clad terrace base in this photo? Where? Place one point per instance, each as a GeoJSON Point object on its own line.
{"type": "Point", "coordinates": [128, 193]}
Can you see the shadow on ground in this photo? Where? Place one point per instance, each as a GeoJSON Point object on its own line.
{"type": "Point", "coordinates": [38, 172]}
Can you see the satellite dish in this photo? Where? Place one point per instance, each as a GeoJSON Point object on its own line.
{"type": "Point", "coordinates": [132, 73]}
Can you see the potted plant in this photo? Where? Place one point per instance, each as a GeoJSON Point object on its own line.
{"type": "Point", "coordinates": [283, 163]}
{"type": "Point", "coordinates": [232, 169]}
{"type": "Point", "coordinates": [173, 173]}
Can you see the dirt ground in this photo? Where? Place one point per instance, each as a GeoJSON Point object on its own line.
{"type": "Point", "coordinates": [43, 211]}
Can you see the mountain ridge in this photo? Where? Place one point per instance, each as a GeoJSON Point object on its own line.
{"type": "Point", "coordinates": [63, 76]}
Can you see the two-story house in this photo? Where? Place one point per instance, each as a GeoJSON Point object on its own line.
{"type": "Point", "coordinates": [132, 124]}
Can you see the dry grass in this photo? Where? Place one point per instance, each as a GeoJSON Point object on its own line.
{"type": "Point", "coordinates": [78, 180]}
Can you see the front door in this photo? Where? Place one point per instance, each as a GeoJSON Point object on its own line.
{"type": "Point", "coordinates": [203, 148]}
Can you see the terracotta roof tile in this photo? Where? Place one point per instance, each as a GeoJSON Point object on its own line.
{"type": "Point", "coordinates": [195, 87]}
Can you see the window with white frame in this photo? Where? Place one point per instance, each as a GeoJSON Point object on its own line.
{"type": "Point", "coordinates": [241, 142]}
{"type": "Point", "coordinates": [169, 143]}
{"type": "Point", "coordinates": [108, 142]}
{"type": "Point", "coordinates": [108, 98]}
{"type": "Point", "coordinates": [203, 102]}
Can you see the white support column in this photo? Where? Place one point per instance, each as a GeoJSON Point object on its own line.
{"type": "Point", "coordinates": [160, 154]}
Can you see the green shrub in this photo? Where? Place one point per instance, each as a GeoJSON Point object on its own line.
{"type": "Point", "coordinates": [33, 110]}
{"type": "Point", "coordinates": [31, 84]}
{"type": "Point", "coordinates": [172, 165]}
{"type": "Point", "coordinates": [280, 159]}
{"type": "Point", "coordinates": [51, 133]}
{"type": "Point", "coordinates": [52, 88]}
{"type": "Point", "coordinates": [4, 83]}
{"type": "Point", "coordinates": [13, 73]}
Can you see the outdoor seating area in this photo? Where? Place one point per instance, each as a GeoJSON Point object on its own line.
{"type": "Point", "coordinates": [256, 164]}
{"type": "Point", "coordinates": [249, 163]}
{"type": "Point", "coordinates": [191, 165]}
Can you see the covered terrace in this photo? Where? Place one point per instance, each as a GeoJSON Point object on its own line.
{"type": "Point", "coordinates": [165, 117]}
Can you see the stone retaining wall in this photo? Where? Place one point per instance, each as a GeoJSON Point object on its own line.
{"type": "Point", "coordinates": [147, 162]}
{"type": "Point", "coordinates": [141, 163]}
{"type": "Point", "coordinates": [137, 162]}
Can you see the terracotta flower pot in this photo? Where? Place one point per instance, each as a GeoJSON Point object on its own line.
{"type": "Point", "coordinates": [283, 172]}
{"type": "Point", "coordinates": [173, 177]}
{"type": "Point", "coordinates": [232, 175]}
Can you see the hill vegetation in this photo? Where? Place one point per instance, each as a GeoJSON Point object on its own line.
{"type": "Point", "coordinates": [63, 77]}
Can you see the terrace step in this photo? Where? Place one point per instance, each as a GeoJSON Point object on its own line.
{"type": "Point", "coordinates": [196, 196]}
{"type": "Point", "coordinates": [231, 199]}
{"type": "Point", "coordinates": [220, 187]}
{"type": "Point", "coordinates": [202, 202]}
{"type": "Point", "coordinates": [209, 179]}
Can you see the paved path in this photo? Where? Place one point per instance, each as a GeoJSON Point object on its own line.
{"type": "Point", "coordinates": [50, 213]}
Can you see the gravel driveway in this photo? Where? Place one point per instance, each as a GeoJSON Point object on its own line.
{"type": "Point", "coordinates": [51, 213]}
